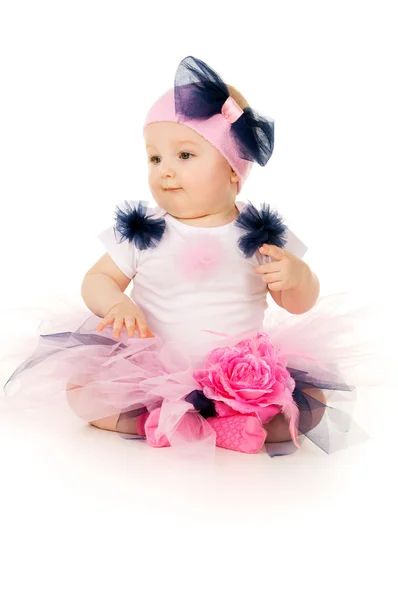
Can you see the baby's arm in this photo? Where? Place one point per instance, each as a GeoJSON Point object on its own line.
{"type": "Point", "coordinates": [103, 286]}
{"type": "Point", "coordinates": [300, 299]}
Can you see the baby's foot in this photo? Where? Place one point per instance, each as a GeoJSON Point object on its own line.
{"type": "Point", "coordinates": [243, 433]}
{"type": "Point", "coordinates": [151, 425]}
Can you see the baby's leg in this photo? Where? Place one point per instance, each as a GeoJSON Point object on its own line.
{"type": "Point", "coordinates": [108, 423]}
{"type": "Point", "coordinates": [278, 428]}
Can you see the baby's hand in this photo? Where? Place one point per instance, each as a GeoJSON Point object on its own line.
{"type": "Point", "coordinates": [128, 313]}
{"type": "Point", "coordinates": [286, 272]}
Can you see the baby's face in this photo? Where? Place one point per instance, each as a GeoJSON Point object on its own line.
{"type": "Point", "coordinates": [178, 157]}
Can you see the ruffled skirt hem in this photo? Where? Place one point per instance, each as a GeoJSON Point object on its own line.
{"type": "Point", "coordinates": [328, 348]}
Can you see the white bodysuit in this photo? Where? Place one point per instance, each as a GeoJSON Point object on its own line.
{"type": "Point", "coordinates": [196, 279]}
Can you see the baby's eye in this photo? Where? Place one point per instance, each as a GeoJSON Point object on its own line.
{"type": "Point", "coordinates": [152, 157]}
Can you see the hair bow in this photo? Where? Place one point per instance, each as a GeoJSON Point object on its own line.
{"type": "Point", "coordinates": [200, 93]}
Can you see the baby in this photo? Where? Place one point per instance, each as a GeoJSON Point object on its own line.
{"type": "Point", "coordinates": [191, 278]}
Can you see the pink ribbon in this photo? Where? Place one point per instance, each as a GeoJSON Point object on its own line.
{"type": "Point", "coordinates": [231, 110]}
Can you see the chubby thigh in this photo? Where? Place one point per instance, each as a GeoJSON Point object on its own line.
{"type": "Point", "coordinates": [108, 423]}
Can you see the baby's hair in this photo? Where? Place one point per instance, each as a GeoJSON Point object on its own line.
{"type": "Point", "coordinates": [237, 96]}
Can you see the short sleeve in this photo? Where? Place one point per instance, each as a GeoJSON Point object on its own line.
{"type": "Point", "coordinates": [123, 253]}
{"type": "Point", "coordinates": [294, 244]}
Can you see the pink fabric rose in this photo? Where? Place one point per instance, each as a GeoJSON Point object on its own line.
{"type": "Point", "coordinates": [250, 378]}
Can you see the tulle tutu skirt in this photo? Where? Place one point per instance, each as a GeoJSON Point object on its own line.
{"type": "Point", "coordinates": [327, 348]}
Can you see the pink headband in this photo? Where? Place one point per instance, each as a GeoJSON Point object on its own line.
{"type": "Point", "coordinates": [200, 100]}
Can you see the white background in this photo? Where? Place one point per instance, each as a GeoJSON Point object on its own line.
{"type": "Point", "coordinates": [84, 513]}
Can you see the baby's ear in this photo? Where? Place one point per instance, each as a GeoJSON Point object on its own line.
{"type": "Point", "coordinates": [234, 177]}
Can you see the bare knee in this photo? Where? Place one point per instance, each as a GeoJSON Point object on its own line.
{"type": "Point", "coordinates": [278, 428]}
{"type": "Point", "coordinates": [73, 401]}
{"type": "Point", "coordinates": [318, 408]}
{"type": "Point", "coordinates": [72, 398]}
{"type": "Point", "coordinates": [109, 423]}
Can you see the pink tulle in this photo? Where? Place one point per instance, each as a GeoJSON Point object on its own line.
{"type": "Point", "coordinates": [106, 377]}
{"type": "Point", "coordinates": [105, 380]}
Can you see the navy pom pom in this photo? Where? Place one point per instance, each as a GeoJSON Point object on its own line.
{"type": "Point", "coordinates": [262, 226]}
{"type": "Point", "coordinates": [134, 225]}
{"type": "Point", "coordinates": [203, 405]}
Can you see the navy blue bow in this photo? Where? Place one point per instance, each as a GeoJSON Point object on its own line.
{"type": "Point", "coordinates": [199, 93]}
